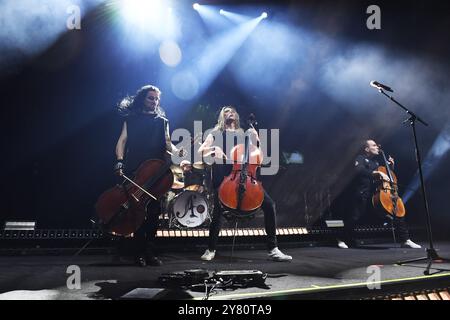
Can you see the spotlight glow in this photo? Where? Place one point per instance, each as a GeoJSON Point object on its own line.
{"type": "Point", "coordinates": [235, 17]}
{"type": "Point", "coordinates": [264, 15]}
{"type": "Point", "coordinates": [198, 76]}
{"type": "Point", "coordinates": [147, 21]}
{"type": "Point", "coordinates": [432, 161]}
{"type": "Point", "coordinates": [185, 85]}
{"type": "Point", "coordinates": [196, 6]}
{"type": "Point", "coordinates": [141, 12]}
{"type": "Point", "coordinates": [213, 18]}
{"type": "Point", "coordinates": [170, 53]}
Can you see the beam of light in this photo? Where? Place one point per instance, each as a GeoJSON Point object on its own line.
{"type": "Point", "coordinates": [234, 17]}
{"type": "Point", "coordinates": [212, 18]}
{"type": "Point", "coordinates": [287, 60]}
{"type": "Point", "coordinates": [172, 25]}
{"type": "Point", "coordinates": [278, 59]}
{"type": "Point", "coordinates": [437, 152]}
{"type": "Point", "coordinates": [346, 75]}
{"type": "Point", "coordinates": [216, 55]}
{"type": "Point", "coordinates": [143, 19]}
{"type": "Point", "coordinates": [29, 27]}
{"type": "Point", "coordinates": [142, 14]}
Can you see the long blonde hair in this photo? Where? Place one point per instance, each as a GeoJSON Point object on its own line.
{"type": "Point", "coordinates": [221, 119]}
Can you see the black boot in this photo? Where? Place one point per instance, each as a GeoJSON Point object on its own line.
{"type": "Point", "coordinates": [141, 261]}
{"type": "Point", "coordinates": [153, 261]}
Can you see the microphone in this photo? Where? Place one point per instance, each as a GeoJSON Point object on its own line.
{"type": "Point", "coordinates": [378, 85]}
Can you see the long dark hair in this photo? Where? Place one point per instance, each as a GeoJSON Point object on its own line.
{"type": "Point", "coordinates": [133, 105]}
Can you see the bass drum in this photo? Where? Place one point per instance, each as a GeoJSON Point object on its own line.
{"type": "Point", "coordinates": [189, 209]}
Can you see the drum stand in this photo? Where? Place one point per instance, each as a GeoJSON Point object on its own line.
{"type": "Point", "coordinates": [234, 240]}
{"type": "Point", "coordinates": [236, 221]}
{"type": "Point", "coordinates": [393, 231]}
{"type": "Point", "coordinates": [209, 194]}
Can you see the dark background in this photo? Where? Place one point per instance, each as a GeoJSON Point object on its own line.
{"type": "Point", "coordinates": [59, 126]}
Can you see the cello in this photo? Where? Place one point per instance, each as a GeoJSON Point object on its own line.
{"type": "Point", "coordinates": [386, 200]}
{"type": "Point", "coordinates": [241, 191]}
{"type": "Point", "coordinates": [122, 209]}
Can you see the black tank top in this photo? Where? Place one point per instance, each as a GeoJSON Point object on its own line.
{"type": "Point", "coordinates": [226, 140]}
{"type": "Point", "coordinates": [146, 139]}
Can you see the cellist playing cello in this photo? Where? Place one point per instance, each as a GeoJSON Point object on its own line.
{"type": "Point", "coordinates": [367, 178]}
{"type": "Point", "coordinates": [218, 146]}
{"type": "Point", "coordinates": [144, 135]}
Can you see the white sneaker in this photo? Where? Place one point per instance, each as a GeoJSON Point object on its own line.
{"type": "Point", "coordinates": [342, 245]}
{"type": "Point", "coordinates": [409, 244]}
{"type": "Point", "coordinates": [208, 255]}
{"type": "Point", "coordinates": [276, 255]}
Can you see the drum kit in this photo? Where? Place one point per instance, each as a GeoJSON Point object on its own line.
{"type": "Point", "coordinates": [189, 203]}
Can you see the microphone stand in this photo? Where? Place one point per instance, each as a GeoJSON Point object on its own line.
{"type": "Point", "coordinates": [432, 255]}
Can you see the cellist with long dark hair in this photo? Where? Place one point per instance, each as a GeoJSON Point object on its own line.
{"type": "Point", "coordinates": [144, 135]}
{"type": "Point", "coordinates": [216, 146]}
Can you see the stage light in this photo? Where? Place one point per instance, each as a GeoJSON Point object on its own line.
{"type": "Point", "coordinates": [264, 15]}
{"type": "Point", "coordinates": [141, 12]}
{"type": "Point", "coordinates": [213, 18]}
{"type": "Point", "coordinates": [235, 17]}
{"type": "Point", "coordinates": [196, 6]}
{"type": "Point", "coordinates": [198, 76]}
{"type": "Point", "coordinates": [20, 225]}
{"type": "Point", "coordinates": [149, 22]}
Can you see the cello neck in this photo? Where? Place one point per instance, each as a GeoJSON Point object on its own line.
{"type": "Point", "coordinates": [251, 122]}
{"type": "Point", "coordinates": [388, 169]}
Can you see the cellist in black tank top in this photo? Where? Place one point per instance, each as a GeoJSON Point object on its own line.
{"type": "Point", "coordinates": [145, 135]}
{"type": "Point", "coordinates": [215, 146]}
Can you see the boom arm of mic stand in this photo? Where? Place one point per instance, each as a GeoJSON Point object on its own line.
{"type": "Point", "coordinates": [412, 115]}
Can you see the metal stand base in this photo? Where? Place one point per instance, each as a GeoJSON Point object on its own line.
{"type": "Point", "coordinates": [431, 257]}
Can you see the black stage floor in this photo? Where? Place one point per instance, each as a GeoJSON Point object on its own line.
{"type": "Point", "coordinates": [313, 269]}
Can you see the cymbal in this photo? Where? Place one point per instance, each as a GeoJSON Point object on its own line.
{"type": "Point", "coordinates": [199, 165]}
{"type": "Point", "coordinates": [176, 170]}
{"type": "Point", "coordinates": [177, 184]}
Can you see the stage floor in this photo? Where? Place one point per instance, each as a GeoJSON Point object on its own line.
{"type": "Point", "coordinates": [313, 269]}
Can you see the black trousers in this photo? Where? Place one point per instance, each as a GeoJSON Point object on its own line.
{"type": "Point", "coordinates": [142, 243]}
{"type": "Point", "coordinates": [362, 206]}
{"type": "Point", "coordinates": [146, 234]}
{"type": "Point", "coordinates": [268, 206]}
